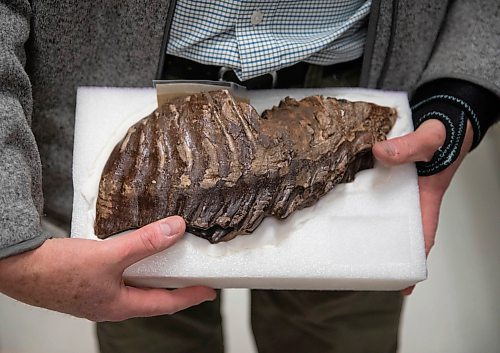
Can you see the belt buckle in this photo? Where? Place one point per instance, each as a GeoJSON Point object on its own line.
{"type": "Point", "coordinates": [224, 70]}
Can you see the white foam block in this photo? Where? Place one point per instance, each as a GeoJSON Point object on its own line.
{"type": "Point", "coordinates": [366, 235]}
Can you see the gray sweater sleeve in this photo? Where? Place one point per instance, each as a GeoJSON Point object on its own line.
{"type": "Point", "coordinates": [468, 46]}
{"type": "Point", "coordinates": [20, 170]}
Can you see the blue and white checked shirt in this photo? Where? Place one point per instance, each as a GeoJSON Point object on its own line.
{"type": "Point", "coordinates": [258, 36]}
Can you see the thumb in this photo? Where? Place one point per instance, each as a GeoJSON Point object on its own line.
{"type": "Point", "coordinates": [418, 146]}
{"type": "Point", "coordinates": [132, 247]}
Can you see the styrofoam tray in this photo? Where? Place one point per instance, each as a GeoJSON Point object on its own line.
{"type": "Point", "coordinates": [364, 235]}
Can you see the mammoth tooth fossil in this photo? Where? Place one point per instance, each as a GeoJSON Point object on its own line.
{"type": "Point", "coordinates": [223, 168]}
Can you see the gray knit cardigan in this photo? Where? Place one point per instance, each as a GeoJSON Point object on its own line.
{"type": "Point", "coordinates": [50, 47]}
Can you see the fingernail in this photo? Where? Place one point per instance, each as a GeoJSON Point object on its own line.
{"type": "Point", "coordinates": [166, 229]}
{"type": "Point", "coordinates": [170, 227]}
{"type": "Point", "coordinates": [389, 148]}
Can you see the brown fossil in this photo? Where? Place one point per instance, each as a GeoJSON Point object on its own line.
{"type": "Point", "coordinates": [223, 168]}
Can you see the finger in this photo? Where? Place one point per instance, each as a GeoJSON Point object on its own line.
{"type": "Point", "coordinates": [430, 216]}
{"type": "Point", "coordinates": [146, 241]}
{"type": "Point", "coordinates": [142, 302]}
{"type": "Point", "coordinates": [408, 290]}
{"type": "Point", "coordinates": [418, 146]}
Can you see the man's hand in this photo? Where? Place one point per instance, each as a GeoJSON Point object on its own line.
{"type": "Point", "coordinates": [421, 146]}
{"type": "Point", "coordinates": [84, 277]}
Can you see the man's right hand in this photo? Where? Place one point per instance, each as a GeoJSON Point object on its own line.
{"type": "Point", "coordinates": [84, 277]}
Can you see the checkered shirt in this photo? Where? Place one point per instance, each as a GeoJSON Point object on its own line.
{"type": "Point", "coordinates": [260, 36]}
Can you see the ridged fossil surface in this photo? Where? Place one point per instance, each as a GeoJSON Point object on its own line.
{"type": "Point", "coordinates": [223, 168]}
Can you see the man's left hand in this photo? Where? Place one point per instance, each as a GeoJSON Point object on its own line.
{"type": "Point", "coordinates": [421, 146]}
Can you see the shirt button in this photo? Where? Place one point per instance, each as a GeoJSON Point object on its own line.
{"type": "Point", "coordinates": [256, 17]}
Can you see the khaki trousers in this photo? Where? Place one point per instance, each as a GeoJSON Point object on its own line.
{"type": "Point", "coordinates": [282, 321]}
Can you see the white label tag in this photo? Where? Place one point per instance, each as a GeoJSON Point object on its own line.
{"type": "Point", "coordinates": [168, 89]}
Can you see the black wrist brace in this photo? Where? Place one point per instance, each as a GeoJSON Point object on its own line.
{"type": "Point", "coordinates": [453, 102]}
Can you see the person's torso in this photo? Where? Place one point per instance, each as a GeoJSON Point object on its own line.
{"type": "Point", "coordinates": [256, 37]}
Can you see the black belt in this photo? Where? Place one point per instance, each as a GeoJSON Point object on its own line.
{"type": "Point", "coordinates": [292, 76]}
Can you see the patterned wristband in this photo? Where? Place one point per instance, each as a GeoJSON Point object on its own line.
{"type": "Point", "coordinates": [453, 113]}
{"type": "Point", "coordinates": [460, 104]}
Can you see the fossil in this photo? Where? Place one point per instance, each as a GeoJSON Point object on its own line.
{"type": "Point", "coordinates": [223, 167]}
